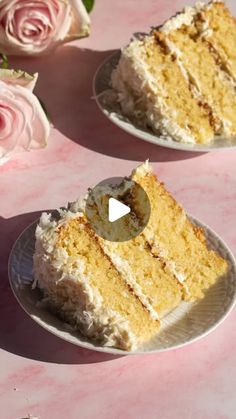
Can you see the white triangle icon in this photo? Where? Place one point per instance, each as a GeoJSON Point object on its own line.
{"type": "Point", "coordinates": [116, 210]}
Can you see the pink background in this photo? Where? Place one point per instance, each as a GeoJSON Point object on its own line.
{"type": "Point", "coordinates": [39, 373]}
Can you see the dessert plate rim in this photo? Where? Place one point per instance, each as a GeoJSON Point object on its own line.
{"type": "Point", "coordinates": [21, 279]}
{"type": "Point", "coordinates": [101, 84]}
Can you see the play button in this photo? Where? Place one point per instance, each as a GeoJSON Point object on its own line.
{"type": "Point", "coordinates": [117, 209]}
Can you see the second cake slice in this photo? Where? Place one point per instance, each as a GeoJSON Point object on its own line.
{"type": "Point", "coordinates": [180, 79]}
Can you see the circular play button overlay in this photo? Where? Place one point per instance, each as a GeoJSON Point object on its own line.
{"type": "Point", "coordinates": [118, 209]}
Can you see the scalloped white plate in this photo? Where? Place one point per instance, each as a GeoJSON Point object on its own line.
{"type": "Point", "coordinates": [187, 323]}
{"type": "Point", "coordinates": [107, 102]}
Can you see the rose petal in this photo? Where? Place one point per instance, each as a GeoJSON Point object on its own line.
{"type": "Point", "coordinates": [12, 126]}
{"type": "Point", "coordinates": [33, 27]}
{"type": "Point", "coordinates": [23, 123]}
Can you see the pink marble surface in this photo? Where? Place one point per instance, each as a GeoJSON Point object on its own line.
{"type": "Point", "coordinates": [44, 376]}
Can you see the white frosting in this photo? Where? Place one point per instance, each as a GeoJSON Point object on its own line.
{"type": "Point", "coordinates": [143, 169]}
{"type": "Point", "coordinates": [83, 304]}
{"type": "Point", "coordinates": [183, 18]}
{"type": "Point", "coordinates": [79, 205]}
{"type": "Point", "coordinates": [186, 17]}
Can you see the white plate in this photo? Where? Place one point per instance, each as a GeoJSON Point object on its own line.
{"type": "Point", "coordinates": [187, 323]}
{"type": "Point", "coordinates": [106, 100]}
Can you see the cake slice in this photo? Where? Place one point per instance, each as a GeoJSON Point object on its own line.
{"type": "Point", "coordinates": [180, 80]}
{"type": "Point", "coordinates": [116, 293]}
{"type": "Point", "coordinates": [154, 92]}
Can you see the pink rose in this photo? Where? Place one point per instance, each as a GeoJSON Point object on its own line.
{"type": "Point", "coordinates": [23, 123]}
{"type": "Point", "coordinates": [33, 27]}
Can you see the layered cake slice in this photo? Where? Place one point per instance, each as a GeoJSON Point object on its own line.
{"type": "Point", "coordinates": [116, 292]}
{"type": "Point", "coordinates": [180, 80]}
{"type": "Point", "coordinates": [154, 92]}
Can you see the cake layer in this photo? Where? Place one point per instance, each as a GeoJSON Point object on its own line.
{"type": "Point", "coordinates": [176, 240]}
{"type": "Point", "coordinates": [153, 90]}
{"type": "Point", "coordinates": [219, 29]}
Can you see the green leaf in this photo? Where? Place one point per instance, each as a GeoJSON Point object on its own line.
{"type": "Point", "coordinates": [3, 61]}
{"type": "Point", "coordinates": [19, 77]}
{"type": "Point", "coordinates": [88, 5]}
